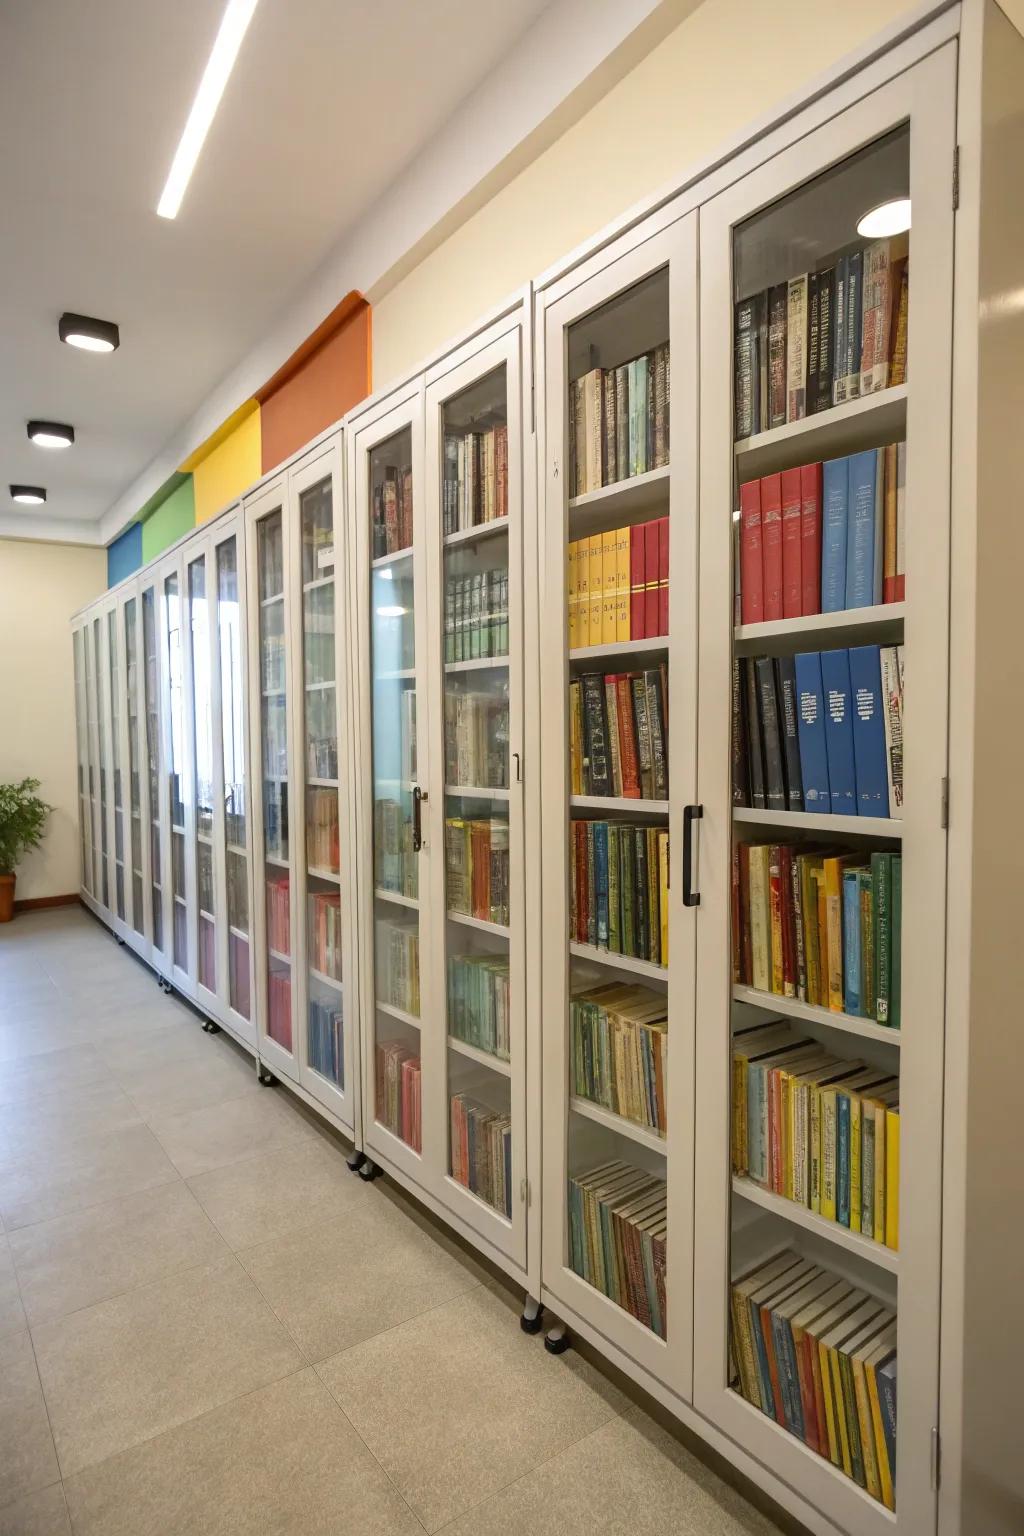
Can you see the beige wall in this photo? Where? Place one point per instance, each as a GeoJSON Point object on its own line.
{"type": "Point", "coordinates": [41, 585]}
{"type": "Point", "coordinates": [725, 65]}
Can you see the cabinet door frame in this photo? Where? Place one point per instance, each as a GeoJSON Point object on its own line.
{"type": "Point", "coordinates": [208, 999]}
{"type": "Point", "coordinates": [159, 814]}
{"type": "Point", "coordinates": [141, 941]}
{"type": "Point", "coordinates": [123, 927]}
{"type": "Point", "coordinates": [180, 976]}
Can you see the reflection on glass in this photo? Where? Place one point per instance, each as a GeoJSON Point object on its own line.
{"type": "Point", "coordinates": [82, 719]}
{"type": "Point", "coordinates": [229, 630]}
{"type": "Point", "coordinates": [131, 652]}
{"type": "Point", "coordinates": [101, 728]}
{"type": "Point", "coordinates": [175, 769]}
{"type": "Point", "coordinates": [202, 717]}
{"type": "Point", "coordinates": [274, 743]}
{"type": "Point", "coordinates": [115, 750]}
{"type": "Point", "coordinates": [152, 706]}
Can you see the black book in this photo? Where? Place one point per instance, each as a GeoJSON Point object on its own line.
{"type": "Point", "coordinates": [740, 766]}
{"type": "Point", "coordinates": [745, 361]}
{"type": "Point", "coordinates": [755, 750]}
{"type": "Point", "coordinates": [659, 746]}
{"type": "Point", "coordinates": [812, 338]}
{"type": "Point", "coordinates": [778, 299]}
{"type": "Point", "coordinates": [785, 681]}
{"type": "Point", "coordinates": [596, 770]}
{"type": "Point", "coordinates": [642, 918]}
{"type": "Point", "coordinates": [775, 778]}
{"type": "Point", "coordinates": [763, 417]}
{"type": "Point", "coordinates": [627, 887]}
{"type": "Point", "coordinates": [820, 397]}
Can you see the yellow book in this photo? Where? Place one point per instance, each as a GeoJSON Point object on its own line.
{"type": "Point", "coordinates": [582, 591]}
{"type": "Point", "coordinates": [571, 601]}
{"type": "Point", "coordinates": [609, 587]}
{"type": "Point", "coordinates": [622, 593]}
{"type": "Point", "coordinates": [879, 1173]}
{"type": "Point", "coordinates": [892, 1177]}
{"type": "Point", "coordinates": [576, 738]}
{"type": "Point", "coordinates": [595, 589]}
{"type": "Point", "coordinates": [663, 894]}
{"type": "Point", "coordinates": [863, 1361]}
{"type": "Point", "coordinates": [855, 1151]}
{"type": "Point", "coordinates": [827, 1131]}
{"type": "Point", "coordinates": [834, 921]}
{"type": "Point", "coordinates": [760, 917]}
{"type": "Point", "coordinates": [883, 1349]}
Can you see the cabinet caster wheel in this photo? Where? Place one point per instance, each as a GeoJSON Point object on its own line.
{"type": "Point", "coordinates": [556, 1340]}
{"type": "Point", "coordinates": [368, 1170]}
{"type": "Point", "coordinates": [531, 1320]}
{"type": "Point", "coordinates": [355, 1161]}
{"type": "Point", "coordinates": [210, 1027]}
{"type": "Point", "coordinates": [265, 1078]}
{"type": "Point", "coordinates": [119, 941]}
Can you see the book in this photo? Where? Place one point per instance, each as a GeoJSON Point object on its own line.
{"type": "Point", "coordinates": [869, 736]}
{"type": "Point", "coordinates": [771, 545]}
{"type": "Point", "coordinates": [792, 544]}
{"type": "Point", "coordinates": [751, 561]}
{"type": "Point", "coordinates": [891, 669]}
{"type": "Point", "coordinates": [835, 678]}
{"type": "Point", "coordinates": [814, 773]}
{"type": "Point", "coordinates": [786, 695]}
{"type": "Point", "coordinates": [796, 348]}
{"type": "Point", "coordinates": [810, 538]}
{"type": "Point", "coordinates": [777, 312]}
{"type": "Point", "coordinates": [738, 735]}
{"type": "Point", "coordinates": [481, 1151]}
{"type": "Point", "coordinates": [615, 874]}
{"type": "Point", "coordinates": [755, 735]}
{"type": "Point", "coordinates": [901, 529]}
{"type": "Point", "coordinates": [820, 397]}
{"type": "Point", "coordinates": [879, 293]}
{"type": "Point", "coordinates": [775, 778]}
{"type": "Point", "coordinates": [745, 367]}
{"type": "Point", "coordinates": [863, 538]}
{"type": "Point", "coordinates": [834, 493]}
{"type": "Point", "coordinates": [617, 1229]}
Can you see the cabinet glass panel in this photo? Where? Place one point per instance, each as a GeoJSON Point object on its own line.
{"type": "Point", "coordinates": [131, 652]}
{"type": "Point", "coordinates": [81, 739]}
{"type": "Point", "coordinates": [95, 885]}
{"type": "Point", "coordinates": [230, 640]}
{"type": "Point", "coordinates": [820, 319]}
{"type": "Point", "coordinates": [101, 737]}
{"type": "Point", "coordinates": [475, 556]}
{"type": "Point", "coordinates": [152, 706]}
{"type": "Point", "coordinates": [176, 769]}
{"type": "Point", "coordinates": [274, 742]}
{"type": "Point", "coordinates": [395, 862]}
{"type": "Point", "coordinates": [325, 1038]}
{"type": "Point", "coordinates": [115, 749]}
{"type": "Point", "coordinates": [202, 719]}
{"type": "Point", "coordinates": [618, 782]}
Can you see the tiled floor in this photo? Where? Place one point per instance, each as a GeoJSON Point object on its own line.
{"type": "Point", "coordinates": [207, 1324]}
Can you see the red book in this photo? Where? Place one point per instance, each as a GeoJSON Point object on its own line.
{"type": "Point", "coordinates": [810, 521]}
{"type": "Point", "coordinates": [771, 537]}
{"type": "Point", "coordinates": [637, 606]}
{"type": "Point", "coordinates": [629, 761]}
{"type": "Point", "coordinates": [807, 1402]}
{"type": "Point", "coordinates": [768, 1335]}
{"type": "Point", "coordinates": [651, 603]}
{"type": "Point", "coordinates": [663, 575]}
{"type": "Point", "coordinates": [792, 534]}
{"type": "Point", "coordinates": [751, 565]}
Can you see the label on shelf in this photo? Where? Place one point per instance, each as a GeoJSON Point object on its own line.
{"type": "Point", "coordinates": [325, 557]}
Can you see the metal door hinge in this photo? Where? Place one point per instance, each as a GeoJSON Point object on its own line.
{"type": "Point", "coordinates": [945, 804]}
{"type": "Point", "coordinates": [956, 178]}
{"type": "Point", "coordinates": [524, 1191]}
{"type": "Point", "coordinates": [936, 1466]}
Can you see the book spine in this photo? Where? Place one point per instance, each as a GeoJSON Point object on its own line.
{"type": "Point", "coordinates": [860, 529]}
{"type": "Point", "coordinates": [751, 558]}
{"type": "Point", "coordinates": [796, 349]}
{"type": "Point", "coordinates": [835, 677]}
{"type": "Point", "coordinates": [777, 303]}
{"type": "Point", "coordinates": [835, 492]}
{"type": "Point", "coordinates": [775, 784]}
{"type": "Point", "coordinates": [810, 540]}
{"type": "Point", "coordinates": [637, 566]}
{"type": "Point", "coordinates": [872, 780]}
{"type": "Point", "coordinates": [822, 397]}
{"type": "Point", "coordinates": [740, 772]}
{"type": "Point", "coordinates": [785, 689]}
{"type": "Point", "coordinates": [792, 544]}
{"type": "Point", "coordinates": [771, 545]}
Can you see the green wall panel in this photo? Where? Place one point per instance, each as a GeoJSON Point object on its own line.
{"type": "Point", "coordinates": [176, 515]}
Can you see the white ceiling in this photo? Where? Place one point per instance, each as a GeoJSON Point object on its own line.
{"type": "Point", "coordinates": [328, 101]}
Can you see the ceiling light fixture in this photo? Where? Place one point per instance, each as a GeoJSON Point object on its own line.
{"type": "Point", "coordinates": [890, 218]}
{"type": "Point", "coordinates": [51, 434]}
{"type": "Point", "coordinates": [391, 611]}
{"type": "Point", "coordinates": [218, 69]}
{"type": "Point", "coordinates": [30, 495]}
{"type": "Point", "coordinates": [91, 335]}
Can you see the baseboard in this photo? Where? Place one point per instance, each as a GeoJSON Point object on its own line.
{"type": "Point", "coordinates": [35, 902]}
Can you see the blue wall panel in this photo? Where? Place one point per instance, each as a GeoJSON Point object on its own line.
{"type": "Point", "coordinates": [125, 555]}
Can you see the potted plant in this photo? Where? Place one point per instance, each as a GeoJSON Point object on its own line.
{"type": "Point", "coordinates": [22, 820]}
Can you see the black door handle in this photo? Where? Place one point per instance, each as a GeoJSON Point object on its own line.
{"type": "Point", "coordinates": [418, 798]}
{"type": "Point", "coordinates": [691, 813]}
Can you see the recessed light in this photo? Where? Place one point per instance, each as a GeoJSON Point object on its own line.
{"type": "Point", "coordinates": [30, 495]}
{"type": "Point", "coordinates": [890, 218]}
{"type": "Point", "coordinates": [91, 335]}
{"type": "Point", "coordinates": [51, 434]}
{"type": "Point", "coordinates": [391, 611]}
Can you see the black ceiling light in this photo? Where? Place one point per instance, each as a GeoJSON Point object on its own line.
{"type": "Point", "coordinates": [51, 434]}
{"type": "Point", "coordinates": [30, 495]}
{"type": "Point", "coordinates": [89, 334]}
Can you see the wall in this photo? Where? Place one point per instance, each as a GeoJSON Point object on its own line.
{"type": "Point", "coordinates": [125, 555]}
{"type": "Point", "coordinates": [319, 383]}
{"type": "Point", "coordinates": [722, 67]}
{"type": "Point", "coordinates": [41, 586]}
{"type": "Point", "coordinates": [228, 463]}
{"type": "Point", "coordinates": [174, 516]}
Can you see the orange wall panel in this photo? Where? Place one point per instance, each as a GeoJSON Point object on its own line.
{"type": "Point", "coordinates": [316, 387]}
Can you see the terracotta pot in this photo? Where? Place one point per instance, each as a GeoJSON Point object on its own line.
{"type": "Point", "coordinates": [6, 898]}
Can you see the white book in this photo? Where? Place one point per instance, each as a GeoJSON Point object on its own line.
{"type": "Point", "coordinates": [892, 713]}
{"type": "Point", "coordinates": [796, 349]}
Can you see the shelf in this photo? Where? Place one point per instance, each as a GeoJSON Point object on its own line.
{"type": "Point", "coordinates": [862, 423]}
{"type": "Point", "coordinates": [791, 1008]}
{"type": "Point", "coordinates": [384, 560]}
{"type": "Point", "coordinates": [137, 873]}
{"type": "Point", "coordinates": [398, 1013]}
{"type": "Point", "coordinates": [180, 830]}
{"type": "Point", "coordinates": [321, 687]}
{"type": "Point", "coordinates": [482, 1058]}
{"type": "Point", "coordinates": [323, 783]}
{"type": "Point", "coordinates": [403, 675]}
{"type": "Point", "coordinates": [478, 531]}
{"type": "Point", "coordinates": [477, 664]}
{"type": "Point", "coordinates": [268, 602]}
{"type": "Point", "coordinates": [238, 933]}
{"type": "Point", "coordinates": [273, 693]}
{"type": "Point", "coordinates": [271, 858]}
{"type": "Point", "coordinates": [618, 803]}
{"type": "Point", "coordinates": [207, 916]}
{"type": "Point", "coordinates": [204, 837]}
{"type": "Point", "coordinates": [881, 624]}
{"type": "Point", "coordinates": [657, 644]}
{"type": "Point", "coordinates": [324, 979]}
{"type": "Point", "coordinates": [319, 581]}
{"type": "Point", "coordinates": [236, 848]}
{"type": "Point", "coordinates": [180, 900]}
{"type": "Point", "coordinates": [854, 1242]}
{"type": "Point", "coordinates": [618, 1123]}
{"type": "Point", "coordinates": [324, 874]}
{"type": "Point", "coordinates": [475, 792]}
{"type": "Point", "coordinates": [399, 900]}
{"type": "Point", "coordinates": [478, 922]}
{"type": "Point", "coordinates": [276, 955]}
{"type": "Point", "coordinates": [619, 962]}
{"type": "Point", "coordinates": [599, 510]}
{"type": "Point", "coordinates": [812, 821]}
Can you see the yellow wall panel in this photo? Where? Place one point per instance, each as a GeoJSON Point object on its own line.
{"type": "Point", "coordinates": [228, 463]}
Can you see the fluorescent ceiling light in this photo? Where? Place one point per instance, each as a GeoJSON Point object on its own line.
{"type": "Point", "coordinates": [237, 17]}
{"type": "Point", "coordinates": [89, 334]}
{"type": "Point", "coordinates": [51, 434]}
{"type": "Point", "coordinates": [391, 611]}
{"type": "Point", "coordinates": [30, 495]}
{"type": "Point", "coordinates": [890, 218]}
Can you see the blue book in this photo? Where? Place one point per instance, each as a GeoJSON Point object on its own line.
{"type": "Point", "coordinates": [885, 1381]}
{"type": "Point", "coordinates": [861, 517]}
{"type": "Point", "coordinates": [869, 731]}
{"type": "Point", "coordinates": [839, 313]}
{"type": "Point", "coordinates": [810, 730]}
{"type": "Point", "coordinates": [843, 1159]}
{"type": "Point", "coordinates": [601, 881]}
{"type": "Point", "coordinates": [851, 943]}
{"type": "Point", "coordinates": [763, 1371]}
{"type": "Point", "coordinates": [834, 499]}
{"type": "Point", "coordinates": [791, 1405]}
{"type": "Point", "coordinates": [842, 781]}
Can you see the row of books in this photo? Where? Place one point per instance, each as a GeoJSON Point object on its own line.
{"type": "Point", "coordinates": [478, 1002]}
{"type": "Point", "coordinates": [618, 888]}
{"type": "Point", "coordinates": [816, 1128]}
{"type": "Point", "coordinates": [324, 925]}
{"type": "Point", "coordinates": [326, 1039]}
{"type": "Point", "coordinates": [476, 739]}
{"type": "Point", "coordinates": [617, 1228]}
{"type": "Point", "coordinates": [616, 585]}
{"type": "Point", "coordinates": [207, 945]}
{"type": "Point", "coordinates": [481, 1142]}
{"type": "Point", "coordinates": [322, 754]}
{"type": "Point", "coordinates": [824, 538]}
{"type": "Point", "coordinates": [821, 731]}
{"type": "Point", "coordinates": [392, 512]}
{"type": "Point", "coordinates": [278, 906]}
{"type": "Point", "coordinates": [477, 867]}
{"type": "Point", "coordinates": [818, 1356]}
{"type": "Point", "coordinates": [275, 737]}
{"type": "Point", "coordinates": [620, 1051]}
{"type": "Point", "coordinates": [272, 662]}
{"type": "Point", "coordinates": [318, 638]}
{"type": "Point", "coordinates": [395, 861]}
{"type": "Point", "coordinates": [822, 338]}
{"type": "Point", "coordinates": [279, 1005]}
{"type": "Point", "coordinates": [618, 734]}
{"type": "Point", "coordinates": [397, 951]}
{"type": "Point", "coordinates": [204, 875]}
{"type": "Point", "coordinates": [323, 848]}
{"type": "Point", "coordinates": [475, 478]}
{"type": "Point", "coordinates": [476, 615]}
{"type": "Point", "coordinates": [271, 556]}
{"type": "Point", "coordinates": [398, 1099]}
{"type": "Point", "coordinates": [238, 974]}
{"type": "Point", "coordinates": [822, 928]}
{"type": "Point", "coordinates": [275, 818]}
{"type": "Point", "coordinates": [619, 421]}
{"type": "Point", "coordinates": [238, 890]}
{"type": "Point", "coordinates": [317, 538]}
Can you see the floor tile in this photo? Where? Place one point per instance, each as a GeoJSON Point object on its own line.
{"type": "Point", "coordinates": [38, 1514]}
{"type": "Point", "coordinates": [627, 1476]}
{"type": "Point", "coordinates": [36, 1037]}
{"type": "Point", "coordinates": [12, 1313]}
{"type": "Point", "coordinates": [225, 1133]}
{"type": "Point", "coordinates": [268, 1197]}
{"type": "Point", "coordinates": [282, 1461]}
{"type": "Point", "coordinates": [345, 1280]}
{"type": "Point", "coordinates": [175, 1087]}
{"type": "Point", "coordinates": [27, 1459]}
{"type": "Point", "coordinates": [459, 1402]}
{"type": "Point", "coordinates": [76, 1260]}
{"type": "Point", "coordinates": [66, 1116]}
{"type": "Point", "coordinates": [125, 1369]}
{"type": "Point", "coordinates": [172, 1040]}
{"type": "Point", "coordinates": [50, 1182]}
{"type": "Point", "coordinates": [34, 1076]}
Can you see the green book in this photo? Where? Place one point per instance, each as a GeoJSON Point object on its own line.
{"type": "Point", "coordinates": [895, 987]}
{"type": "Point", "coordinates": [881, 883]}
{"type": "Point", "coordinates": [614, 894]}
{"type": "Point", "coordinates": [865, 895]}
{"type": "Point", "coordinates": [627, 882]}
